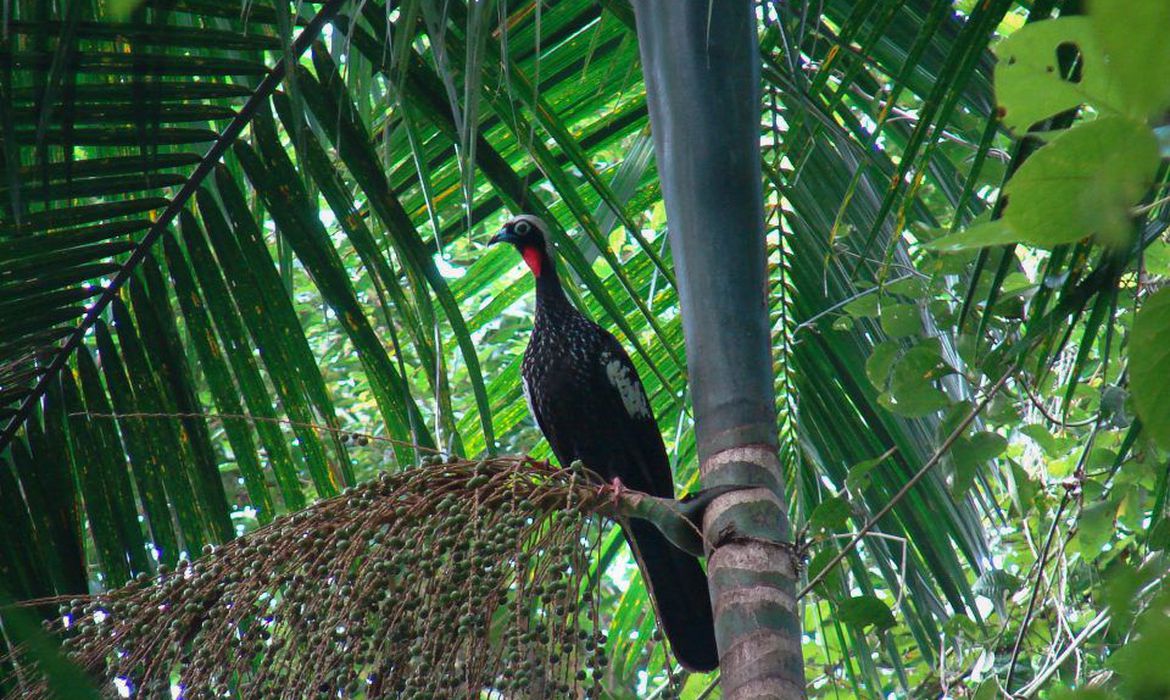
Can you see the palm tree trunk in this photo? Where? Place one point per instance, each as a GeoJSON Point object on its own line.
{"type": "Point", "coordinates": [701, 65]}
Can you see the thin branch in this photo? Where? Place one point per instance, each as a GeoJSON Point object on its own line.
{"type": "Point", "coordinates": [1035, 590]}
{"type": "Point", "coordinates": [1039, 406]}
{"type": "Point", "coordinates": [897, 497]}
{"type": "Point", "coordinates": [1072, 488]}
{"type": "Point", "coordinates": [811, 321]}
{"type": "Point", "coordinates": [1095, 625]}
{"type": "Point", "coordinates": [229, 135]}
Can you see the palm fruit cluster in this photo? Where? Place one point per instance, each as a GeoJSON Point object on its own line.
{"type": "Point", "coordinates": [455, 579]}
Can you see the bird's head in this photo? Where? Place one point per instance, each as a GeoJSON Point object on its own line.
{"type": "Point", "coordinates": [530, 236]}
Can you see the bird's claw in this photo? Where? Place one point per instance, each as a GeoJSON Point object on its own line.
{"type": "Point", "coordinates": [618, 489]}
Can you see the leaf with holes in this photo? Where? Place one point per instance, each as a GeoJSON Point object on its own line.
{"type": "Point", "coordinates": [1028, 80]}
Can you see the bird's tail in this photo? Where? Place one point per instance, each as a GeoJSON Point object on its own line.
{"type": "Point", "coordinates": [679, 587]}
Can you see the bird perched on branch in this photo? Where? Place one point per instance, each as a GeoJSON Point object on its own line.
{"type": "Point", "coordinates": [590, 404]}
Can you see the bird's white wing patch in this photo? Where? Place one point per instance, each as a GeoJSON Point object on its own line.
{"type": "Point", "coordinates": [527, 397]}
{"type": "Point", "coordinates": [628, 386]}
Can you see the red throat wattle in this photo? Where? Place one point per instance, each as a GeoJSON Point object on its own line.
{"type": "Point", "coordinates": [534, 258]}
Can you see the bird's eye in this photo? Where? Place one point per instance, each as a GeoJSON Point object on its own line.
{"type": "Point", "coordinates": [522, 228]}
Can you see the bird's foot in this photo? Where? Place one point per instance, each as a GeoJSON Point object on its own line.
{"type": "Point", "coordinates": [618, 489]}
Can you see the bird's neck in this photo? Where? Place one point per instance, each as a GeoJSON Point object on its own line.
{"type": "Point", "coordinates": [549, 293]}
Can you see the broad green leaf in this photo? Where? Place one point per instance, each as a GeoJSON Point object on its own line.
{"type": "Point", "coordinates": [962, 625]}
{"type": "Point", "coordinates": [866, 610]}
{"type": "Point", "coordinates": [1048, 442]}
{"type": "Point", "coordinates": [1160, 535]}
{"type": "Point", "coordinates": [859, 474]}
{"type": "Point", "coordinates": [1083, 183]}
{"type": "Point", "coordinates": [1132, 36]}
{"type": "Point", "coordinates": [1149, 365]}
{"type": "Point", "coordinates": [1141, 663]}
{"type": "Point", "coordinates": [865, 306]}
{"type": "Point", "coordinates": [909, 286]}
{"type": "Point", "coordinates": [1156, 258]}
{"type": "Point", "coordinates": [901, 320]}
{"type": "Point", "coordinates": [911, 391]}
{"type": "Point", "coordinates": [991, 233]}
{"type": "Point", "coordinates": [1094, 528]}
{"type": "Point", "coordinates": [1028, 82]}
{"type": "Point", "coordinates": [832, 581]}
{"type": "Point", "coordinates": [881, 360]}
{"type": "Point", "coordinates": [830, 515]}
{"type": "Point", "coordinates": [969, 453]}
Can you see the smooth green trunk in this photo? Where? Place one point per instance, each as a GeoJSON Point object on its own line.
{"type": "Point", "coordinates": [701, 64]}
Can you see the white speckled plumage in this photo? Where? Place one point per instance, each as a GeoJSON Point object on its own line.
{"type": "Point", "coordinates": [590, 404]}
{"type": "Point", "coordinates": [628, 386]}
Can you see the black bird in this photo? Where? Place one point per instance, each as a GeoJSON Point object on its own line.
{"type": "Point", "coordinates": [590, 404]}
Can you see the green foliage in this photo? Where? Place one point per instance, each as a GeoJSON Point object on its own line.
{"type": "Point", "coordinates": [1139, 57]}
{"type": "Point", "coordinates": [830, 515]}
{"type": "Point", "coordinates": [1083, 183]}
{"type": "Point", "coordinates": [1149, 354]}
{"type": "Point", "coordinates": [970, 452]}
{"type": "Point", "coordinates": [63, 680]}
{"type": "Point", "coordinates": [1087, 178]}
{"type": "Point", "coordinates": [401, 586]}
{"type": "Point", "coordinates": [1141, 664]}
{"type": "Point", "coordinates": [864, 611]}
{"type": "Point", "coordinates": [1031, 81]}
{"type": "Point", "coordinates": [323, 308]}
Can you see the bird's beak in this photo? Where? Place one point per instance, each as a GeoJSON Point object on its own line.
{"type": "Point", "coordinates": [504, 236]}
